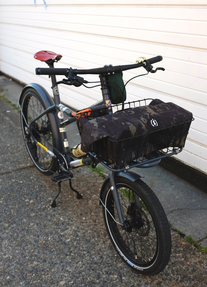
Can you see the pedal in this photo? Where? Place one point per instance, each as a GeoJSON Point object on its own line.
{"type": "Point", "coordinates": [62, 177]}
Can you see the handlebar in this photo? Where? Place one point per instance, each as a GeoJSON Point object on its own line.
{"type": "Point", "coordinates": [52, 71]}
{"type": "Point", "coordinates": [98, 71]}
{"type": "Point", "coordinates": [154, 60]}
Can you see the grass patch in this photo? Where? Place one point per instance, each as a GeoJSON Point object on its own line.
{"type": "Point", "coordinates": [127, 193]}
{"type": "Point", "coordinates": [190, 240]}
{"type": "Point", "coordinates": [99, 170]}
{"type": "Point", "coordinates": [15, 107]}
{"type": "Point", "coordinates": [179, 233]}
{"type": "Point", "coordinates": [200, 248]}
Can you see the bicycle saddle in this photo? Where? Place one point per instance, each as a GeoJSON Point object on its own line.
{"type": "Point", "coordinates": [47, 56]}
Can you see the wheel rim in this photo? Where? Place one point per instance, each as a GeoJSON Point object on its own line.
{"type": "Point", "coordinates": [31, 108]}
{"type": "Point", "coordinates": [138, 242]}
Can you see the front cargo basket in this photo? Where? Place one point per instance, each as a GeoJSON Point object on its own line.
{"type": "Point", "coordinates": [136, 130]}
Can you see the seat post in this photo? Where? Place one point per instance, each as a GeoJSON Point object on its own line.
{"type": "Point", "coordinates": [60, 115]}
{"type": "Point", "coordinates": [54, 85]}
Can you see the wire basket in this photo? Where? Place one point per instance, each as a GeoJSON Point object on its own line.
{"type": "Point", "coordinates": [126, 151]}
{"type": "Point", "coordinates": [141, 148]}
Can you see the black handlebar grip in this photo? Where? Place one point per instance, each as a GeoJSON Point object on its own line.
{"type": "Point", "coordinates": [52, 71]}
{"type": "Point", "coordinates": [154, 60]}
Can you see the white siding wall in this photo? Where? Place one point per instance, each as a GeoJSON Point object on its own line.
{"type": "Point", "coordinates": [97, 32]}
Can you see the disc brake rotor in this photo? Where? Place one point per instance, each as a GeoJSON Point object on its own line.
{"type": "Point", "coordinates": [138, 220]}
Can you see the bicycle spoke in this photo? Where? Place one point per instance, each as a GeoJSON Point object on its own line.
{"type": "Point", "coordinates": [32, 107]}
{"type": "Point", "coordinates": [141, 241]}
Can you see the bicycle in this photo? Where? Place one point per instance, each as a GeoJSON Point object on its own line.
{"type": "Point", "coordinates": [134, 217]}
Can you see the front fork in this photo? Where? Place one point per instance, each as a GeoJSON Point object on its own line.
{"type": "Point", "coordinates": [116, 197]}
{"type": "Point", "coordinates": [117, 200]}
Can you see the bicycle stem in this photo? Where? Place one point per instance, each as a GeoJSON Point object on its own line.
{"type": "Point", "coordinates": [106, 92]}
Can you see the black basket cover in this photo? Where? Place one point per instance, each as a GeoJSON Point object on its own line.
{"type": "Point", "coordinates": [137, 131]}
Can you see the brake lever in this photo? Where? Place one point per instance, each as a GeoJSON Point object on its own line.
{"type": "Point", "coordinates": [157, 69]}
{"type": "Point", "coordinates": [78, 81]}
{"type": "Point", "coordinates": [149, 68]}
{"type": "Point", "coordinates": [74, 79]}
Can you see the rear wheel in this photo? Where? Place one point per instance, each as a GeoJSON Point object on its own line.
{"type": "Point", "coordinates": [32, 106]}
{"type": "Point", "coordinates": [145, 241]}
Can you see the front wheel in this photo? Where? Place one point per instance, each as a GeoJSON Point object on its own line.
{"type": "Point", "coordinates": [145, 241]}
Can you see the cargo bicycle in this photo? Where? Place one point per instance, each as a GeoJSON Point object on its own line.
{"type": "Point", "coordinates": [117, 134]}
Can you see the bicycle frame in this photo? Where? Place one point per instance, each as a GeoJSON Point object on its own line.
{"type": "Point", "coordinates": [55, 111]}
{"type": "Point", "coordinates": [134, 218]}
{"type": "Point", "coordinates": [62, 136]}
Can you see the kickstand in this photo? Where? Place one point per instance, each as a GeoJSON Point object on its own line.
{"type": "Point", "coordinates": [79, 196]}
{"type": "Point", "coordinates": [54, 204]}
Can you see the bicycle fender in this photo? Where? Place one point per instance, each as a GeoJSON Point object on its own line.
{"type": "Point", "coordinates": [130, 175]}
{"type": "Point", "coordinates": [48, 102]}
{"type": "Point", "coordinates": [41, 91]}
